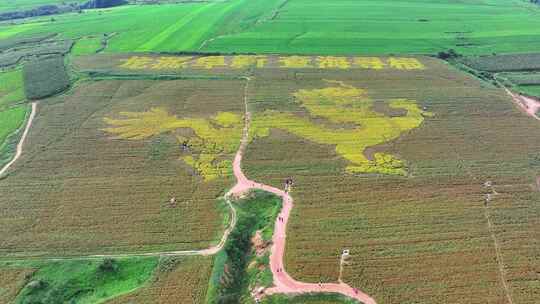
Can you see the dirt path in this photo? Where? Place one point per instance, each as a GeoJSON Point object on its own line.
{"type": "Point", "coordinates": [283, 282]}
{"type": "Point", "coordinates": [529, 105]}
{"type": "Point", "coordinates": [500, 261]}
{"type": "Point", "coordinates": [23, 138]}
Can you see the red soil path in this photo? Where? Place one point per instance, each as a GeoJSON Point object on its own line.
{"type": "Point", "coordinates": [528, 104]}
{"type": "Point", "coordinates": [283, 282]}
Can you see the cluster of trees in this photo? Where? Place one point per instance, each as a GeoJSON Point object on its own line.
{"type": "Point", "coordinates": [102, 3]}
{"type": "Point", "coordinates": [535, 1]}
{"type": "Point", "coordinates": [46, 10]}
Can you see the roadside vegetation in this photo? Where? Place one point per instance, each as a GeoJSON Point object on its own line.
{"type": "Point", "coordinates": [241, 267]}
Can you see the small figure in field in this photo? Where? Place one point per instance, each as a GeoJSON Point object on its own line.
{"type": "Point", "coordinates": [288, 184]}
{"type": "Point", "coordinates": [172, 202]}
{"type": "Point", "coordinates": [487, 199]}
{"type": "Point", "coordinates": [185, 145]}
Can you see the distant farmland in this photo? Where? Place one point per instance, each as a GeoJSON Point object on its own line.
{"type": "Point", "coordinates": [305, 26]}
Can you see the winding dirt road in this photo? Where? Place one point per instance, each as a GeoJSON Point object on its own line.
{"type": "Point", "coordinates": [23, 139]}
{"type": "Point", "coordinates": [283, 282]}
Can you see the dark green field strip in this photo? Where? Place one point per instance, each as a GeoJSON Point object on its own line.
{"type": "Point", "coordinates": [505, 63]}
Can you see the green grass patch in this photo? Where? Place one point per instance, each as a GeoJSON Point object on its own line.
{"type": "Point", "coordinates": [10, 120]}
{"type": "Point", "coordinates": [532, 90]}
{"type": "Point", "coordinates": [76, 281]}
{"type": "Point", "coordinates": [87, 46]}
{"type": "Point", "coordinates": [11, 87]}
{"type": "Point", "coordinates": [230, 279]}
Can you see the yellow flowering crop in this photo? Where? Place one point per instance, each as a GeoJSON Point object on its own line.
{"type": "Point", "coordinates": [215, 137]}
{"type": "Point", "coordinates": [346, 104]}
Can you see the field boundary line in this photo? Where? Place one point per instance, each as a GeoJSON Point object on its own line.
{"type": "Point", "coordinates": [500, 260]}
{"type": "Point", "coordinates": [22, 140]}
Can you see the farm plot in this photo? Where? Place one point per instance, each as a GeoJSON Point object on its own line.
{"type": "Point", "coordinates": [389, 27]}
{"type": "Point", "coordinates": [305, 27]}
{"type": "Point", "coordinates": [398, 228]}
{"type": "Point", "coordinates": [11, 87]}
{"type": "Point", "coordinates": [180, 27]}
{"type": "Point", "coordinates": [88, 183]}
{"type": "Point", "coordinates": [505, 63]}
{"type": "Point", "coordinates": [177, 280]}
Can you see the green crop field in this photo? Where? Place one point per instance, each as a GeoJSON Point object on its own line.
{"type": "Point", "coordinates": [532, 90]}
{"type": "Point", "coordinates": [87, 45]}
{"type": "Point", "coordinates": [11, 87]}
{"type": "Point", "coordinates": [301, 26]}
{"type": "Point", "coordinates": [10, 120]}
{"type": "Point", "coordinates": [85, 281]}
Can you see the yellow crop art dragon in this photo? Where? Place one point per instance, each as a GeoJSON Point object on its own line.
{"type": "Point", "coordinates": [215, 139]}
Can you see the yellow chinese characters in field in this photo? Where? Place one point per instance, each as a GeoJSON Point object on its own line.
{"type": "Point", "coordinates": [210, 62]}
{"type": "Point", "coordinates": [262, 61]}
{"type": "Point", "coordinates": [295, 62]}
{"type": "Point", "coordinates": [374, 63]}
{"type": "Point", "coordinates": [170, 63]}
{"type": "Point", "coordinates": [405, 63]}
{"type": "Point", "coordinates": [244, 61]}
{"type": "Point", "coordinates": [331, 62]}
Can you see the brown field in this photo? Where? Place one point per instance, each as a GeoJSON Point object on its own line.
{"type": "Point", "coordinates": [77, 190]}
{"type": "Point", "coordinates": [12, 280]}
{"type": "Point", "coordinates": [424, 238]}
{"type": "Point", "coordinates": [184, 280]}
